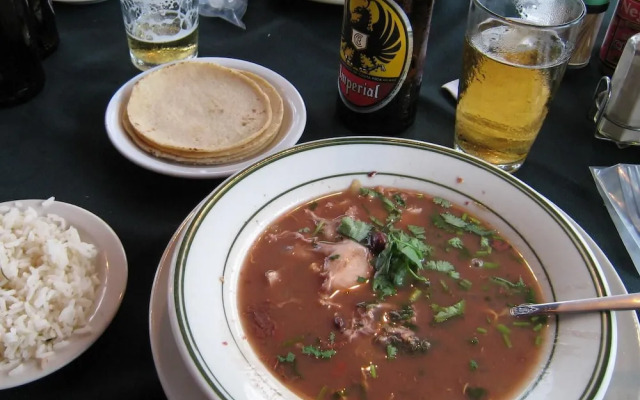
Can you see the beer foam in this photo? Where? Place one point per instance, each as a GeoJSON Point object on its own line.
{"type": "Point", "coordinates": [160, 27]}
{"type": "Point", "coordinates": [500, 42]}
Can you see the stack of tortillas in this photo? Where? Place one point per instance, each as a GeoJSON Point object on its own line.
{"type": "Point", "coordinates": [203, 113]}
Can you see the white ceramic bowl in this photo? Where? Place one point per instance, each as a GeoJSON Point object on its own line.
{"type": "Point", "coordinates": [580, 350]}
{"type": "Point", "coordinates": [112, 269]}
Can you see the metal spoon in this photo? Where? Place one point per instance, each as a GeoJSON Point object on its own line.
{"type": "Point", "coordinates": [619, 302]}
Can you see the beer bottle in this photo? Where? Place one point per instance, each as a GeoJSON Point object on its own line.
{"type": "Point", "coordinates": [382, 51]}
{"type": "Point", "coordinates": [21, 73]}
{"type": "Point", "coordinates": [46, 30]}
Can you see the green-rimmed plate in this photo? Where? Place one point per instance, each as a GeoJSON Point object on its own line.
{"type": "Point", "coordinates": [580, 350]}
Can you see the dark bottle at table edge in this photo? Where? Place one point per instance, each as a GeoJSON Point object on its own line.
{"type": "Point", "coordinates": [46, 30]}
{"type": "Point", "coordinates": [21, 72]}
{"type": "Point", "coordinates": [382, 52]}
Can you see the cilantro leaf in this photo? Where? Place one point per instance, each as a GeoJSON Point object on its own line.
{"type": "Point", "coordinates": [530, 296]}
{"type": "Point", "coordinates": [478, 230]}
{"type": "Point", "coordinates": [442, 202]}
{"type": "Point", "coordinates": [291, 365]}
{"type": "Point", "coordinates": [376, 221]}
{"type": "Point", "coordinates": [475, 393]}
{"type": "Point", "coordinates": [383, 286]}
{"type": "Point", "coordinates": [392, 352]}
{"type": "Point", "coordinates": [392, 208]}
{"type": "Point", "coordinates": [416, 243]}
{"type": "Point", "coordinates": [465, 284]}
{"type": "Point", "coordinates": [403, 256]}
{"type": "Point", "coordinates": [372, 370]}
{"type": "Point", "coordinates": [399, 200]}
{"type": "Point", "coordinates": [412, 252]}
{"type": "Point", "coordinates": [519, 285]}
{"type": "Point", "coordinates": [393, 217]}
{"type": "Point", "coordinates": [317, 352]}
{"type": "Point", "coordinates": [460, 223]}
{"type": "Point", "coordinates": [289, 358]}
{"type": "Point", "coordinates": [355, 229]}
{"type": "Point", "coordinates": [453, 220]}
{"type": "Point", "coordinates": [388, 204]}
{"type": "Point", "coordinates": [445, 313]}
{"type": "Point", "coordinates": [383, 261]}
{"type": "Point", "coordinates": [404, 252]}
{"type": "Point", "coordinates": [455, 242]}
{"type": "Point", "coordinates": [417, 231]}
{"type": "Point", "coordinates": [440, 266]}
{"type": "Point", "coordinates": [368, 192]}
{"type": "Point", "coordinates": [400, 275]}
{"type": "Point", "coordinates": [318, 228]}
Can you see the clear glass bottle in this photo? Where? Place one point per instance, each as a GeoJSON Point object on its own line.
{"type": "Point", "coordinates": [588, 32]}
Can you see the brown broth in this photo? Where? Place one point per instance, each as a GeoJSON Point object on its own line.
{"type": "Point", "coordinates": [285, 315]}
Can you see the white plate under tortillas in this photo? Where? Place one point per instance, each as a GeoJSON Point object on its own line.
{"type": "Point", "coordinates": [293, 123]}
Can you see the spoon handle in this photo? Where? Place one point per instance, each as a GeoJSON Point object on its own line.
{"type": "Point", "coordinates": [619, 302]}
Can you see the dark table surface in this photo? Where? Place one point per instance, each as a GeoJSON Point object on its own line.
{"type": "Point", "coordinates": [56, 145]}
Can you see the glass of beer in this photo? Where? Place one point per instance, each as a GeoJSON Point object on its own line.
{"type": "Point", "coordinates": [514, 56]}
{"type": "Point", "coordinates": [160, 31]}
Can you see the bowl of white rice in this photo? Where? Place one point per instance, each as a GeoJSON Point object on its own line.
{"type": "Point", "coordinates": [63, 273]}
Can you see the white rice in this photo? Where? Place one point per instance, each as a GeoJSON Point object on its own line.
{"type": "Point", "coordinates": [48, 282]}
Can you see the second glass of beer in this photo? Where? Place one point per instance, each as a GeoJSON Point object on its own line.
{"type": "Point", "coordinates": [160, 31]}
{"type": "Point", "coordinates": [514, 56]}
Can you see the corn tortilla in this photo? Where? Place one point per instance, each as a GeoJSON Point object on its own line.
{"type": "Point", "coordinates": [226, 155]}
{"type": "Point", "coordinates": [189, 158]}
{"type": "Point", "coordinates": [198, 108]}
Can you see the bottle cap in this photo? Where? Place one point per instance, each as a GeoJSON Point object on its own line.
{"type": "Point", "coordinates": [596, 6]}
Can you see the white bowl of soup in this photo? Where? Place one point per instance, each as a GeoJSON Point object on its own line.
{"type": "Point", "coordinates": [378, 268]}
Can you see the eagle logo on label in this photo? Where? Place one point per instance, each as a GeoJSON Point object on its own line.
{"type": "Point", "coordinates": [375, 52]}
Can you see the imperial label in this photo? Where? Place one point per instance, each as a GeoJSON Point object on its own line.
{"type": "Point", "coordinates": [375, 53]}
